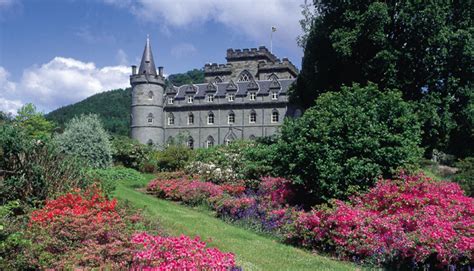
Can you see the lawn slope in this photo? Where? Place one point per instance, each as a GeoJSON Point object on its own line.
{"type": "Point", "coordinates": [253, 252]}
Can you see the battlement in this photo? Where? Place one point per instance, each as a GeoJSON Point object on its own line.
{"type": "Point", "coordinates": [214, 68]}
{"type": "Point", "coordinates": [284, 64]}
{"type": "Point", "coordinates": [251, 54]}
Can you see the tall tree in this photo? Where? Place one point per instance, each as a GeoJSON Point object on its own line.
{"type": "Point", "coordinates": [423, 48]}
{"type": "Point", "coordinates": [34, 122]}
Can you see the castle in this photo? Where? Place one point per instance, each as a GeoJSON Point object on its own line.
{"type": "Point", "coordinates": [243, 99]}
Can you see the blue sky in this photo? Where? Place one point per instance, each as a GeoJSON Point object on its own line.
{"type": "Point", "coordinates": [57, 52]}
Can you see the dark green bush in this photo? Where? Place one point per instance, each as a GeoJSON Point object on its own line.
{"type": "Point", "coordinates": [129, 152]}
{"type": "Point", "coordinates": [465, 176]}
{"type": "Point", "coordinates": [174, 157]}
{"type": "Point", "coordinates": [348, 139]}
{"type": "Point", "coordinates": [34, 170]}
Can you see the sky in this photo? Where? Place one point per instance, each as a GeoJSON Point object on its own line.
{"type": "Point", "coordinates": [57, 52]}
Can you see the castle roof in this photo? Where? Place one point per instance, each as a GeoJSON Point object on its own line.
{"type": "Point", "coordinates": [263, 87]}
{"type": "Point", "coordinates": [147, 66]}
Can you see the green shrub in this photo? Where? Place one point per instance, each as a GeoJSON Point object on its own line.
{"type": "Point", "coordinates": [465, 176]}
{"type": "Point", "coordinates": [348, 139]}
{"type": "Point", "coordinates": [34, 170]}
{"type": "Point", "coordinates": [129, 152]}
{"type": "Point", "coordinates": [174, 157]}
{"type": "Point", "coordinates": [108, 178]}
{"type": "Point", "coordinates": [85, 137]}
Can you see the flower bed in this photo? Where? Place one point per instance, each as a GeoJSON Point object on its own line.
{"type": "Point", "coordinates": [409, 220]}
{"type": "Point", "coordinates": [83, 230]}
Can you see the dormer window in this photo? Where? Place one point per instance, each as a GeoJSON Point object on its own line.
{"type": "Point", "coordinates": [230, 97]}
{"type": "Point", "coordinates": [274, 95]}
{"type": "Point", "coordinates": [190, 99]}
{"type": "Point", "coordinates": [252, 96]}
{"type": "Point", "coordinates": [210, 98]}
{"type": "Point", "coordinates": [170, 100]}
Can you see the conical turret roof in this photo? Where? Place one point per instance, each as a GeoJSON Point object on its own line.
{"type": "Point", "coordinates": [147, 66]}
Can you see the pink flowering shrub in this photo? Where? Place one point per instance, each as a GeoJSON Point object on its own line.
{"type": "Point", "coordinates": [409, 219]}
{"type": "Point", "coordinates": [178, 253]}
{"type": "Point", "coordinates": [188, 191]}
{"type": "Point", "coordinates": [275, 190]}
{"type": "Point", "coordinates": [233, 207]}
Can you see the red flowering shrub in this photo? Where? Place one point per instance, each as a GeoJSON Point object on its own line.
{"type": "Point", "coordinates": [234, 207]}
{"type": "Point", "coordinates": [234, 189]}
{"type": "Point", "coordinates": [276, 190]}
{"type": "Point", "coordinates": [410, 219]}
{"type": "Point", "coordinates": [178, 253]}
{"type": "Point", "coordinates": [80, 230]}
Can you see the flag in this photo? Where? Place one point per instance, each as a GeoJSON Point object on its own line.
{"type": "Point", "coordinates": [274, 29]}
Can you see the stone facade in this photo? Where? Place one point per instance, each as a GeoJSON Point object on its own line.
{"type": "Point", "coordinates": [243, 99]}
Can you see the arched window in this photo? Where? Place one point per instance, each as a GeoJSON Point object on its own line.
{"type": "Point", "coordinates": [150, 142]}
{"type": "Point", "coordinates": [150, 118]}
{"type": "Point", "coordinates": [190, 143]}
{"type": "Point", "coordinates": [209, 142]}
{"type": "Point", "coordinates": [252, 137]}
{"type": "Point", "coordinates": [150, 95]}
{"type": "Point", "coordinates": [170, 141]}
{"type": "Point", "coordinates": [253, 117]}
{"type": "Point", "coordinates": [231, 118]}
{"type": "Point", "coordinates": [210, 118]}
{"type": "Point", "coordinates": [170, 119]}
{"type": "Point", "coordinates": [190, 118]}
{"type": "Point", "coordinates": [229, 139]}
{"type": "Point", "coordinates": [245, 76]}
{"type": "Point", "coordinates": [275, 116]}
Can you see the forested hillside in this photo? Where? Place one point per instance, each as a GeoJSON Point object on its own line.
{"type": "Point", "coordinates": [113, 107]}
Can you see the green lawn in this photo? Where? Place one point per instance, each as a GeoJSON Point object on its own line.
{"type": "Point", "coordinates": [253, 252]}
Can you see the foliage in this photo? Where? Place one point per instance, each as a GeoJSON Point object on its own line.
{"type": "Point", "coordinates": [129, 152]}
{"type": "Point", "coordinates": [84, 137]}
{"type": "Point", "coordinates": [465, 176]}
{"type": "Point", "coordinates": [178, 253]}
{"type": "Point", "coordinates": [411, 219]}
{"type": "Point", "coordinates": [112, 107]}
{"type": "Point", "coordinates": [348, 139]}
{"type": "Point", "coordinates": [173, 157]}
{"type": "Point", "coordinates": [194, 76]}
{"type": "Point", "coordinates": [33, 122]}
{"type": "Point", "coordinates": [419, 48]}
{"type": "Point", "coordinates": [109, 178]}
{"type": "Point", "coordinates": [34, 170]}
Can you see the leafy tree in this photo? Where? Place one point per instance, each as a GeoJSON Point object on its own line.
{"type": "Point", "coordinates": [347, 140]}
{"type": "Point", "coordinates": [194, 76]}
{"type": "Point", "coordinates": [34, 122]}
{"type": "Point", "coordinates": [418, 47]}
{"type": "Point", "coordinates": [85, 137]}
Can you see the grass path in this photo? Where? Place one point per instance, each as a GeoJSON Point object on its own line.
{"type": "Point", "coordinates": [253, 252]}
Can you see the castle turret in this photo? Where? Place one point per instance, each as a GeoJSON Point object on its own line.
{"type": "Point", "coordinates": [147, 101]}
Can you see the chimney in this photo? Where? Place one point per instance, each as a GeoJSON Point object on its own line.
{"type": "Point", "coordinates": [160, 71]}
{"type": "Point", "coordinates": [134, 70]}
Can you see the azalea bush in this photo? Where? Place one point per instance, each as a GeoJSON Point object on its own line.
{"type": "Point", "coordinates": [178, 253]}
{"type": "Point", "coordinates": [405, 221]}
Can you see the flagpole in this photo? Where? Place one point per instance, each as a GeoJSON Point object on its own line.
{"type": "Point", "coordinates": [271, 41]}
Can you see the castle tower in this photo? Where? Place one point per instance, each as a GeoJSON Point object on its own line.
{"type": "Point", "coordinates": [146, 122]}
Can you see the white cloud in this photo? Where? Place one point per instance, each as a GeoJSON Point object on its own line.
{"type": "Point", "coordinates": [7, 91]}
{"type": "Point", "coordinates": [183, 50]}
{"type": "Point", "coordinates": [249, 17]}
{"type": "Point", "coordinates": [60, 82]}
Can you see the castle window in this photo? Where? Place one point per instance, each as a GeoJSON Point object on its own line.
{"type": "Point", "coordinates": [275, 116]}
{"type": "Point", "coordinates": [230, 97]}
{"type": "Point", "coordinates": [150, 142]}
{"type": "Point", "coordinates": [253, 117]}
{"type": "Point", "coordinates": [150, 95]}
{"type": "Point", "coordinates": [210, 98]}
{"type": "Point", "coordinates": [252, 96]}
{"type": "Point", "coordinates": [209, 142]}
{"type": "Point", "coordinates": [252, 137]}
{"type": "Point", "coordinates": [274, 96]}
{"type": "Point", "coordinates": [231, 118]}
{"type": "Point", "coordinates": [150, 118]}
{"type": "Point", "coordinates": [190, 99]}
{"type": "Point", "coordinates": [170, 100]}
{"type": "Point", "coordinates": [190, 118]}
{"type": "Point", "coordinates": [190, 143]}
{"type": "Point", "coordinates": [245, 76]}
{"type": "Point", "coordinates": [170, 119]}
{"type": "Point", "coordinates": [210, 118]}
